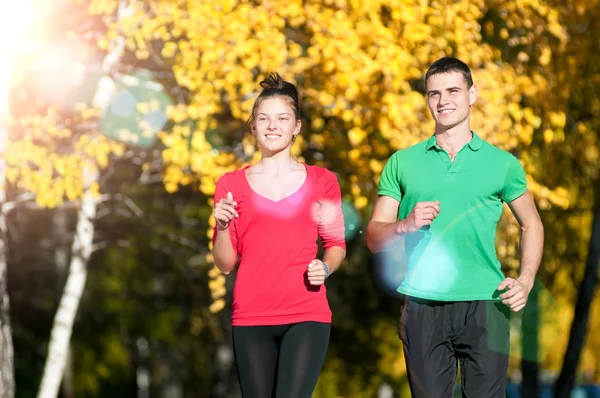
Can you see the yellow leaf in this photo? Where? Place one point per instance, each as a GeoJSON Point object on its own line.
{"type": "Point", "coordinates": [356, 136]}
{"type": "Point", "coordinates": [217, 306]}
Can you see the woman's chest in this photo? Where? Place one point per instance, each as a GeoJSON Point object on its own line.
{"type": "Point", "coordinates": [296, 215]}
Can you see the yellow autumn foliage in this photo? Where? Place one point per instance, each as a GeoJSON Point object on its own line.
{"type": "Point", "coordinates": [48, 158]}
{"type": "Point", "coordinates": [359, 65]}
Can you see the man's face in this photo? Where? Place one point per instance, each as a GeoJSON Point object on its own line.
{"type": "Point", "coordinates": [449, 99]}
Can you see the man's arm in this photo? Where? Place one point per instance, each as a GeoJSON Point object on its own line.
{"type": "Point", "coordinates": [532, 236]}
{"type": "Point", "coordinates": [384, 225]}
{"type": "Point", "coordinates": [532, 245]}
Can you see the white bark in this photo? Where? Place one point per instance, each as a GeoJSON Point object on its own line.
{"type": "Point", "coordinates": [61, 263]}
{"type": "Point", "coordinates": [69, 303]}
{"type": "Point", "coordinates": [7, 380]}
{"type": "Point", "coordinates": [64, 319]}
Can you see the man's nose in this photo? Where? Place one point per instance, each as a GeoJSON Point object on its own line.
{"type": "Point", "coordinates": [443, 98]}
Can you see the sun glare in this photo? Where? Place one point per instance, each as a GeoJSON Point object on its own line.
{"type": "Point", "coordinates": [16, 22]}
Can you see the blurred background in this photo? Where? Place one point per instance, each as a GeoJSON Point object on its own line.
{"type": "Point", "coordinates": [118, 116]}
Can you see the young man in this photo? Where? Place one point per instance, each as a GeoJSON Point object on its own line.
{"type": "Point", "coordinates": [443, 197]}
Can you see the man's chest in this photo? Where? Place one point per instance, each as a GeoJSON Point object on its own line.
{"type": "Point", "coordinates": [467, 179]}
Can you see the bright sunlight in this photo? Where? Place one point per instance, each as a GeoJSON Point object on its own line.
{"type": "Point", "coordinates": [16, 20]}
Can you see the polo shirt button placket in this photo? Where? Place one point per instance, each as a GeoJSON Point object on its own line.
{"type": "Point", "coordinates": [450, 168]}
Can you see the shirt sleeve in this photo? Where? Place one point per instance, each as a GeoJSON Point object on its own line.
{"type": "Point", "coordinates": [515, 182]}
{"type": "Point", "coordinates": [389, 182]}
{"type": "Point", "coordinates": [331, 219]}
{"type": "Point", "coordinates": [224, 185]}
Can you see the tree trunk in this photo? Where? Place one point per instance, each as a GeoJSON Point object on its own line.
{"type": "Point", "coordinates": [64, 319]}
{"type": "Point", "coordinates": [142, 369]}
{"type": "Point", "coordinates": [61, 262]}
{"type": "Point", "coordinates": [7, 381]}
{"type": "Point", "coordinates": [566, 380]}
{"type": "Point", "coordinates": [223, 382]}
{"type": "Point", "coordinates": [530, 345]}
{"type": "Point", "coordinates": [7, 372]}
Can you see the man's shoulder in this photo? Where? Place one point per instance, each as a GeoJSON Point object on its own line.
{"type": "Point", "coordinates": [412, 151]}
{"type": "Point", "coordinates": [492, 151]}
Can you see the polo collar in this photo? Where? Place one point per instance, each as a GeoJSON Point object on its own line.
{"type": "Point", "coordinates": [474, 144]}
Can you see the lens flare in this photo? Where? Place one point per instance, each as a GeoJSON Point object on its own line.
{"type": "Point", "coordinates": [136, 110]}
{"type": "Point", "coordinates": [352, 220]}
{"type": "Point", "coordinates": [390, 265]}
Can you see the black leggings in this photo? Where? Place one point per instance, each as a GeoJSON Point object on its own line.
{"type": "Point", "coordinates": [282, 361]}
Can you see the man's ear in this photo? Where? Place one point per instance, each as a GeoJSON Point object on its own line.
{"type": "Point", "coordinates": [473, 94]}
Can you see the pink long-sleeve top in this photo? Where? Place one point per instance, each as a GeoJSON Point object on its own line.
{"type": "Point", "coordinates": [275, 241]}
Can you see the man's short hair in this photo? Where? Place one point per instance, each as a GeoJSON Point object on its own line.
{"type": "Point", "coordinates": [448, 65]}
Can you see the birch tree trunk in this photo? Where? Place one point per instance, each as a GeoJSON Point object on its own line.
{"type": "Point", "coordinates": [64, 319]}
{"type": "Point", "coordinates": [62, 327]}
{"type": "Point", "coordinates": [61, 263]}
{"type": "Point", "coordinates": [7, 377]}
{"type": "Point", "coordinates": [7, 380]}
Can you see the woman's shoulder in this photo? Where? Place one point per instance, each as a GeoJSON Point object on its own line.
{"type": "Point", "coordinates": [232, 177]}
{"type": "Point", "coordinates": [320, 173]}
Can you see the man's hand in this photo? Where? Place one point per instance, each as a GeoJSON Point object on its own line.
{"type": "Point", "coordinates": [516, 296]}
{"type": "Point", "coordinates": [316, 272]}
{"type": "Point", "coordinates": [422, 214]}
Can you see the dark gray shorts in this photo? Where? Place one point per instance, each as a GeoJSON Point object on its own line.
{"type": "Point", "coordinates": [437, 336]}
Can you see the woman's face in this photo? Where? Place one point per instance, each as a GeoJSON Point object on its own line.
{"type": "Point", "coordinates": [275, 124]}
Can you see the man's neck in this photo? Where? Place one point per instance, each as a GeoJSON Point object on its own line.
{"type": "Point", "coordinates": [452, 140]}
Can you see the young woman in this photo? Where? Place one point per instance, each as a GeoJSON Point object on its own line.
{"type": "Point", "coordinates": [269, 215]}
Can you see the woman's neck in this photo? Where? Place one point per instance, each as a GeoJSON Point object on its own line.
{"type": "Point", "coordinates": [277, 163]}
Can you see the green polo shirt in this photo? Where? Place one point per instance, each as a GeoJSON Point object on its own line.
{"type": "Point", "coordinates": [454, 259]}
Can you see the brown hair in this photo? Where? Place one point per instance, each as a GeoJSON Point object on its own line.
{"type": "Point", "coordinates": [447, 65]}
{"type": "Point", "coordinates": [275, 86]}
